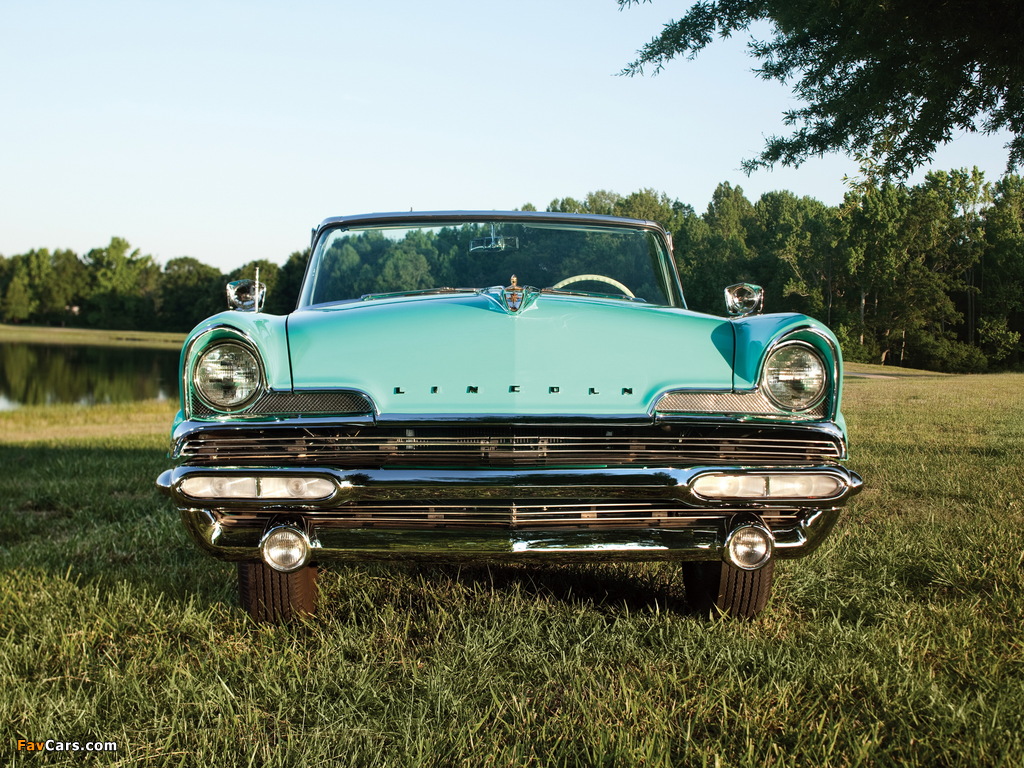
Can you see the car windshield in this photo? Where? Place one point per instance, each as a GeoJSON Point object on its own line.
{"type": "Point", "coordinates": [370, 262]}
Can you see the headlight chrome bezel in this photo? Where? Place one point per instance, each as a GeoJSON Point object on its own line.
{"type": "Point", "coordinates": [227, 405]}
{"type": "Point", "coordinates": [792, 404]}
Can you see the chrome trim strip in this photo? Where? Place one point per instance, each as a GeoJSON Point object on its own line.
{"type": "Point", "coordinates": [420, 217]}
{"type": "Point", "coordinates": [190, 427]}
{"type": "Point", "coordinates": [462, 419]}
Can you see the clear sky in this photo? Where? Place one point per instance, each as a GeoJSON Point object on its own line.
{"type": "Point", "coordinates": [226, 130]}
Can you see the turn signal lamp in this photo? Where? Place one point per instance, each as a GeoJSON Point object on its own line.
{"type": "Point", "coordinates": [714, 485]}
{"type": "Point", "coordinates": [276, 487]}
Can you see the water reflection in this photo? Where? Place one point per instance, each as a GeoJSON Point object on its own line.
{"type": "Point", "coordinates": [41, 374]}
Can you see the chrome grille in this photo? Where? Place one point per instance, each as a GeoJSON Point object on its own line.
{"type": "Point", "coordinates": [508, 446]}
{"type": "Point", "coordinates": [514, 516]}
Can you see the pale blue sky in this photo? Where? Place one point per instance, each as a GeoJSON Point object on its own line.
{"type": "Point", "coordinates": [226, 130]}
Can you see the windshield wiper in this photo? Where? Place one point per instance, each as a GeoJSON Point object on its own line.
{"type": "Point", "coordinates": [419, 292]}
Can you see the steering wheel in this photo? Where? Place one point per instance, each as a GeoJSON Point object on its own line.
{"type": "Point", "coordinates": [596, 278]}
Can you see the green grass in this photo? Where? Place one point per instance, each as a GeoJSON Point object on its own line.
{"type": "Point", "coordinates": [899, 643]}
{"type": "Point", "coordinates": [87, 336]}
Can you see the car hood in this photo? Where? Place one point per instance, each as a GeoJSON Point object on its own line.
{"type": "Point", "coordinates": [465, 353]}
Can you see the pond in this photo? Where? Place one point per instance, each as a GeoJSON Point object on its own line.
{"type": "Point", "coordinates": [44, 374]}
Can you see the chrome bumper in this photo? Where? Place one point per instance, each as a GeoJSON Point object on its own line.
{"type": "Point", "coordinates": [237, 538]}
{"type": "Point", "coordinates": [696, 529]}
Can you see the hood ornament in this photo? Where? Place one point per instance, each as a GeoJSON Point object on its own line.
{"type": "Point", "coordinates": [514, 298]}
{"type": "Point", "coordinates": [513, 295]}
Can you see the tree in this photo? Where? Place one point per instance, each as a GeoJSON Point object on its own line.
{"type": "Point", "coordinates": [792, 238]}
{"type": "Point", "coordinates": [269, 274]}
{"type": "Point", "coordinates": [946, 215]}
{"type": "Point", "coordinates": [893, 78]}
{"type": "Point", "coordinates": [910, 253]}
{"type": "Point", "coordinates": [718, 254]}
{"type": "Point", "coordinates": [289, 283]}
{"type": "Point", "coordinates": [18, 303]}
{"type": "Point", "coordinates": [602, 202]}
{"type": "Point", "coordinates": [61, 296]}
{"type": "Point", "coordinates": [1001, 274]}
{"type": "Point", "coordinates": [189, 292]}
{"type": "Point", "coordinates": [651, 205]}
{"type": "Point", "coordinates": [870, 233]}
{"type": "Point", "coordinates": [124, 287]}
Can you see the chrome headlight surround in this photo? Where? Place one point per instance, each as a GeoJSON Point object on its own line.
{"type": "Point", "coordinates": [227, 375]}
{"type": "Point", "coordinates": [795, 376]}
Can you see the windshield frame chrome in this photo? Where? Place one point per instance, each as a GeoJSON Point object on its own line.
{"type": "Point", "coordinates": [667, 271]}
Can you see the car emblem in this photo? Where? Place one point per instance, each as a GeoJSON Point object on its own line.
{"type": "Point", "coordinates": [513, 296]}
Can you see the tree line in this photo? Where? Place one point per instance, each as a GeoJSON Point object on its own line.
{"type": "Point", "coordinates": [926, 276]}
{"type": "Point", "coordinates": [117, 287]}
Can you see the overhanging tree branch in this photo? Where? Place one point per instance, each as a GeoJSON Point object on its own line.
{"type": "Point", "coordinates": [894, 78]}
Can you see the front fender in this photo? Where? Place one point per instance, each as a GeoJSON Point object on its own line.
{"type": "Point", "coordinates": [756, 335]}
{"type": "Point", "coordinates": [265, 332]}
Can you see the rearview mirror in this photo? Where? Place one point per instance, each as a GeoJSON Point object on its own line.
{"type": "Point", "coordinates": [744, 299]}
{"type": "Point", "coordinates": [246, 295]}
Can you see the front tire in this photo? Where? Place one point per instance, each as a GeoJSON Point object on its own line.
{"type": "Point", "coordinates": [270, 596]}
{"type": "Point", "coordinates": [723, 589]}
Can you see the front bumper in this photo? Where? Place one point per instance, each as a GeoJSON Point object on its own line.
{"type": "Point", "coordinates": [507, 515]}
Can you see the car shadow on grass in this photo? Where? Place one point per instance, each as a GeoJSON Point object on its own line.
{"type": "Point", "coordinates": [94, 516]}
{"type": "Point", "coordinates": [609, 589]}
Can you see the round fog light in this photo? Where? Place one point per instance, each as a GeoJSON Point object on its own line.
{"type": "Point", "coordinates": [749, 547]}
{"type": "Point", "coordinates": [285, 549]}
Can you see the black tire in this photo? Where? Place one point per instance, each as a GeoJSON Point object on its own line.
{"type": "Point", "coordinates": [723, 589]}
{"type": "Point", "coordinates": [274, 597]}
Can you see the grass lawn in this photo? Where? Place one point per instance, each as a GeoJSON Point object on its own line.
{"type": "Point", "coordinates": [899, 643]}
{"type": "Point", "coordinates": [87, 336]}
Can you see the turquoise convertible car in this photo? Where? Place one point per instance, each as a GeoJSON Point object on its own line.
{"type": "Point", "coordinates": [496, 387]}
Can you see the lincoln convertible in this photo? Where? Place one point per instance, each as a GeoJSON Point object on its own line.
{"type": "Point", "coordinates": [494, 387]}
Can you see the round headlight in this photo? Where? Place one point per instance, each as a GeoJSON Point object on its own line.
{"type": "Point", "coordinates": [795, 377]}
{"type": "Point", "coordinates": [749, 547]}
{"type": "Point", "coordinates": [227, 375]}
{"type": "Point", "coordinates": [285, 549]}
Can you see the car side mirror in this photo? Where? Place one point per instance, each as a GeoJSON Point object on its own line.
{"type": "Point", "coordinates": [246, 295]}
{"type": "Point", "coordinates": [744, 299]}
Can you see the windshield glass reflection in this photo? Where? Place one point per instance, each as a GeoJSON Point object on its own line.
{"type": "Point", "coordinates": [370, 262]}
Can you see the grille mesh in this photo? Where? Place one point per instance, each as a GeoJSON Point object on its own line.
{"type": "Point", "coordinates": [335, 402]}
{"type": "Point", "coordinates": [754, 403]}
